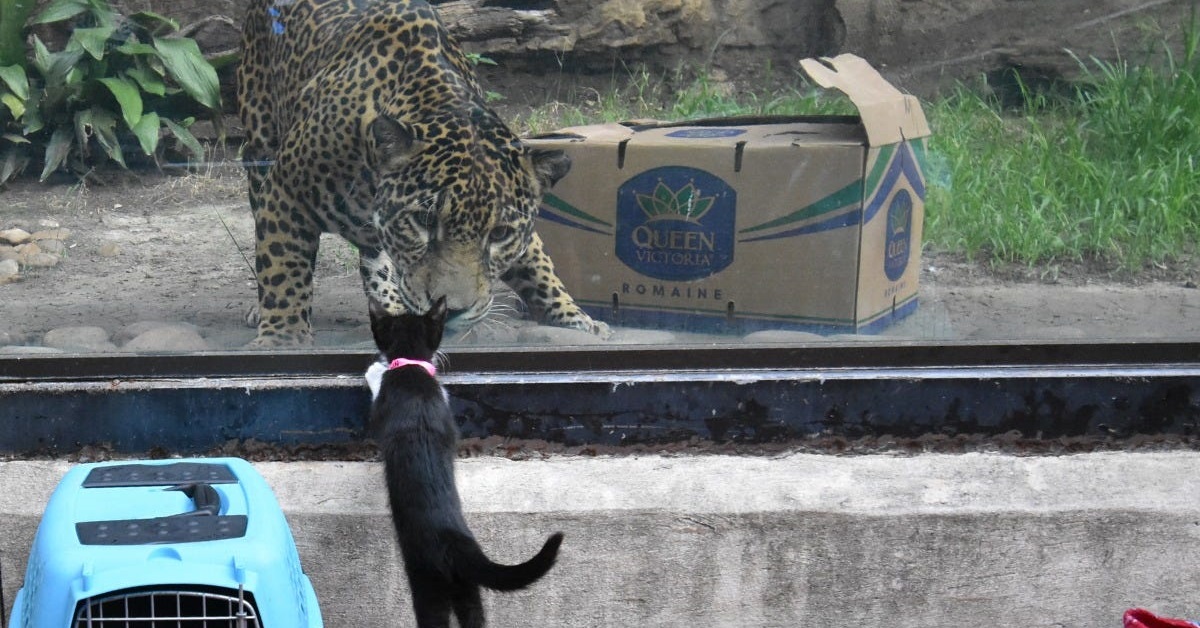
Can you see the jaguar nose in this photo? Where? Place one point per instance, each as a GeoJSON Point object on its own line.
{"type": "Point", "coordinates": [457, 318]}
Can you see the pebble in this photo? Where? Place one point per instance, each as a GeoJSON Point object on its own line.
{"type": "Point", "coordinates": [86, 338]}
{"type": "Point", "coordinates": [9, 271]}
{"type": "Point", "coordinates": [786, 336]}
{"type": "Point", "coordinates": [14, 236]}
{"type": "Point", "coordinates": [48, 223]}
{"type": "Point", "coordinates": [170, 338]}
{"type": "Point", "coordinates": [110, 249]}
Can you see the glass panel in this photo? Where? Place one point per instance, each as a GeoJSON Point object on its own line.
{"type": "Point", "coordinates": [1026, 194]}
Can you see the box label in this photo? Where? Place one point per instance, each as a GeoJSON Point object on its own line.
{"type": "Point", "coordinates": [676, 223]}
{"type": "Point", "coordinates": [899, 230]}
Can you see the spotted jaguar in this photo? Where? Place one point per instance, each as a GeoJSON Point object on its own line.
{"type": "Point", "coordinates": [364, 118]}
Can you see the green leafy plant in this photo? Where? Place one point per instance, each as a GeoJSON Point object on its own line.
{"type": "Point", "coordinates": [117, 78]}
{"type": "Point", "coordinates": [13, 15]}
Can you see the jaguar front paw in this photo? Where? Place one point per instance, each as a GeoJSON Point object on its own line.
{"type": "Point", "coordinates": [598, 328]}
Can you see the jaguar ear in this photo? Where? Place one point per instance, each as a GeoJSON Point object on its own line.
{"type": "Point", "coordinates": [394, 142]}
{"type": "Point", "coordinates": [550, 166]}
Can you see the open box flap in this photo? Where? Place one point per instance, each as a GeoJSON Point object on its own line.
{"type": "Point", "coordinates": [888, 115]}
{"type": "Point", "coordinates": [611, 132]}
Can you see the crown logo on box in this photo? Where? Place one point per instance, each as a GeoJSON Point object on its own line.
{"type": "Point", "coordinates": [686, 203]}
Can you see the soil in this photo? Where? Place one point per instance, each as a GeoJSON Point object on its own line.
{"type": "Point", "coordinates": [164, 247]}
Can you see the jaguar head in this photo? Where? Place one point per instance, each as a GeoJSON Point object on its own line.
{"type": "Point", "coordinates": [454, 205]}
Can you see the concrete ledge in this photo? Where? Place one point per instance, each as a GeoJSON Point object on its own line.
{"type": "Point", "coordinates": [800, 540]}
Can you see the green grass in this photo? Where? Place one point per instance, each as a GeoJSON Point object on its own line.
{"type": "Point", "coordinates": [640, 96]}
{"type": "Point", "coordinates": [1108, 174]}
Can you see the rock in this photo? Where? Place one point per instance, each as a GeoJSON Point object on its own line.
{"type": "Point", "coordinates": [234, 338]}
{"type": "Point", "coordinates": [133, 330]}
{"type": "Point", "coordinates": [56, 247]}
{"type": "Point", "coordinates": [785, 336]}
{"type": "Point", "coordinates": [557, 336]}
{"type": "Point", "coordinates": [643, 337]}
{"type": "Point", "coordinates": [171, 338]}
{"type": "Point", "coordinates": [9, 271]}
{"type": "Point", "coordinates": [86, 338]}
{"type": "Point", "coordinates": [50, 234]}
{"type": "Point", "coordinates": [39, 259]}
{"type": "Point", "coordinates": [357, 338]}
{"type": "Point", "coordinates": [27, 350]}
{"type": "Point", "coordinates": [852, 337]}
{"type": "Point", "coordinates": [110, 249]}
{"type": "Point", "coordinates": [29, 248]}
{"type": "Point", "coordinates": [14, 236]}
{"type": "Point", "coordinates": [48, 223]}
{"type": "Point", "coordinates": [505, 331]}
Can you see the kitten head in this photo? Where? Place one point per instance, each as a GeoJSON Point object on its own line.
{"type": "Point", "coordinates": [412, 336]}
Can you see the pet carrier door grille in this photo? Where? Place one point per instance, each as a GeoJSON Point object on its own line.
{"type": "Point", "coordinates": [167, 609]}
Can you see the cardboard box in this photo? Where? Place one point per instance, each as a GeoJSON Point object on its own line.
{"type": "Point", "coordinates": [740, 224]}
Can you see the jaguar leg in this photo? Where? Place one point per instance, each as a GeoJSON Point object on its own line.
{"type": "Point", "coordinates": [532, 277]}
{"type": "Point", "coordinates": [285, 258]}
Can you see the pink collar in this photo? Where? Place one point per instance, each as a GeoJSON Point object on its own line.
{"type": "Point", "coordinates": [399, 362]}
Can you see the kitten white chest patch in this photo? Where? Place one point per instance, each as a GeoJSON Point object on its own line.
{"type": "Point", "coordinates": [374, 377]}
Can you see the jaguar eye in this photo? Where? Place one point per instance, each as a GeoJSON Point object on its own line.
{"type": "Point", "coordinates": [425, 219]}
{"type": "Point", "coordinates": [500, 234]}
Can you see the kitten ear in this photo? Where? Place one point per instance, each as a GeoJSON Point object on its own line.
{"type": "Point", "coordinates": [438, 310]}
{"type": "Point", "coordinates": [375, 308]}
{"type": "Point", "coordinates": [379, 316]}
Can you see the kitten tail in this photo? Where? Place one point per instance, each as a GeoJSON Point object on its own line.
{"type": "Point", "coordinates": [472, 565]}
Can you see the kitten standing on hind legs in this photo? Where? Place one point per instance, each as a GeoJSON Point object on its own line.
{"type": "Point", "coordinates": [411, 417]}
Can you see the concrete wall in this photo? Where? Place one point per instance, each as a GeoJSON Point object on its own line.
{"type": "Point", "coordinates": [799, 540]}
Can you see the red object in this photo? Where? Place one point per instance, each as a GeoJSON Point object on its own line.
{"type": "Point", "coordinates": [1142, 618]}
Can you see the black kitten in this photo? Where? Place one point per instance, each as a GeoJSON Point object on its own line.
{"type": "Point", "coordinates": [418, 437]}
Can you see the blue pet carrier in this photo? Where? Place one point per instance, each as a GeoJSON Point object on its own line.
{"type": "Point", "coordinates": [164, 543]}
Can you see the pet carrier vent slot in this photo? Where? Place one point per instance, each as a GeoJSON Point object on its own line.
{"type": "Point", "coordinates": [168, 609]}
{"type": "Point", "coordinates": [161, 530]}
{"type": "Point", "coordinates": [159, 475]}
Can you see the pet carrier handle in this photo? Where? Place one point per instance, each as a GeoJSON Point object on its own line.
{"type": "Point", "coordinates": [204, 496]}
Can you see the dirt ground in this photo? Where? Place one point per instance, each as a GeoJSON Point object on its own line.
{"type": "Point", "coordinates": [174, 247]}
